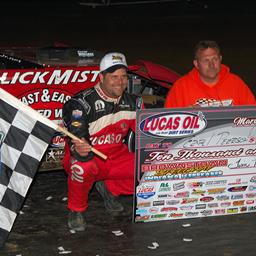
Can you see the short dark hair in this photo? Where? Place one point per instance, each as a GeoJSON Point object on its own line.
{"type": "Point", "coordinates": [205, 44]}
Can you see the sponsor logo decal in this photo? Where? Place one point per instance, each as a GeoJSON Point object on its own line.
{"type": "Point", "coordinates": [77, 114]}
{"type": "Point", "coordinates": [106, 139]}
{"type": "Point", "coordinates": [146, 191]}
{"type": "Point", "coordinates": [173, 124]}
{"type": "Point", "coordinates": [207, 199]}
{"type": "Point", "coordinates": [237, 189]}
{"type": "Point", "coordinates": [164, 187]}
{"type": "Point", "coordinates": [99, 105]}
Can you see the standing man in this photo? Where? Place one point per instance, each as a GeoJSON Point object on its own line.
{"type": "Point", "coordinates": [101, 117]}
{"type": "Point", "coordinates": [209, 83]}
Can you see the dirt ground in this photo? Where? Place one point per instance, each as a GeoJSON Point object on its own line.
{"type": "Point", "coordinates": [41, 229]}
{"type": "Point", "coordinates": [165, 36]}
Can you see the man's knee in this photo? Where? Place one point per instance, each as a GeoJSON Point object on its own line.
{"type": "Point", "coordinates": [83, 171]}
{"type": "Point", "coordinates": [77, 173]}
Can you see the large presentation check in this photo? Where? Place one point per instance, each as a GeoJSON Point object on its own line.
{"type": "Point", "coordinates": [195, 163]}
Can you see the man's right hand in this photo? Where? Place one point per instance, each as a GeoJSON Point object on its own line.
{"type": "Point", "coordinates": [82, 147]}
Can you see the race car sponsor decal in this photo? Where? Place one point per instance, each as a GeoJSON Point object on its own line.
{"type": "Point", "coordinates": [168, 209]}
{"type": "Point", "coordinates": [250, 195]}
{"type": "Point", "coordinates": [213, 205]}
{"type": "Point", "coordinates": [198, 192]}
{"type": "Point", "coordinates": [252, 187]}
{"type": "Point", "coordinates": [238, 203]}
{"type": "Point", "coordinates": [164, 187]}
{"type": "Point", "coordinates": [178, 186]}
{"type": "Point", "coordinates": [146, 191]}
{"type": "Point", "coordinates": [77, 114]}
{"type": "Point", "coordinates": [253, 179]}
{"type": "Point", "coordinates": [158, 203]}
{"type": "Point", "coordinates": [158, 216]}
{"type": "Point", "coordinates": [99, 105]}
{"type": "Point", "coordinates": [237, 189]}
{"type": "Point", "coordinates": [142, 211]}
{"type": "Point", "coordinates": [225, 204]}
{"type": "Point", "coordinates": [76, 124]}
{"type": "Point", "coordinates": [234, 197]}
{"type": "Point", "coordinates": [200, 206]}
{"type": "Point", "coordinates": [207, 199]}
{"type": "Point", "coordinates": [178, 124]}
{"type": "Point", "coordinates": [172, 202]}
{"type": "Point", "coordinates": [207, 212]}
{"type": "Point", "coordinates": [220, 211]}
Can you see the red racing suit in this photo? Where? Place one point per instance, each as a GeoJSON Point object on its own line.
{"type": "Point", "coordinates": [104, 122]}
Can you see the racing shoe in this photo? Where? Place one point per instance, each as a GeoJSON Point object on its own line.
{"type": "Point", "coordinates": [76, 221]}
{"type": "Point", "coordinates": [112, 205]}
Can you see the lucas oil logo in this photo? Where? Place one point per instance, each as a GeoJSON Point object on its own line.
{"type": "Point", "coordinates": [173, 124]}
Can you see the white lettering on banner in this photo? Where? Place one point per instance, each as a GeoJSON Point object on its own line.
{"type": "Point", "coordinates": [95, 75]}
{"type": "Point", "coordinates": [75, 76]}
{"type": "Point", "coordinates": [45, 112]}
{"type": "Point", "coordinates": [245, 121]}
{"type": "Point", "coordinates": [31, 98]}
{"type": "Point", "coordinates": [3, 78]}
{"type": "Point", "coordinates": [39, 78]}
{"type": "Point", "coordinates": [106, 139]}
{"type": "Point", "coordinates": [15, 78]}
{"type": "Point", "coordinates": [60, 97]}
{"type": "Point", "coordinates": [58, 113]}
{"type": "Point", "coordinates": [57, 77]}
{"type": "Point", "coordinates": [23, 76]}
{"type": "Point", "coordinates": [45, 96]}
{"type": "Point", "coordinates": [84, 76]}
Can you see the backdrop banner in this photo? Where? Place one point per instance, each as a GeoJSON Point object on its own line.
{"type": "Point", "coordinates": [195, 162]}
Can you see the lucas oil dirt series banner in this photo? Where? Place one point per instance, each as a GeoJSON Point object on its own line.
{"type": "Point", "coordinates": [195, 163]}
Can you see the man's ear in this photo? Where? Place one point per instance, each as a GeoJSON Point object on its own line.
{"type": "Point", "coordinates": [101, 77]}
{"type": "Point", "coordinates": [220, 58]}
{"type": "Point", "coordinates": [195, 62]}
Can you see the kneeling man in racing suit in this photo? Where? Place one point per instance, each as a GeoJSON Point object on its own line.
{"type": "Point", "coordinates": [101, 117]}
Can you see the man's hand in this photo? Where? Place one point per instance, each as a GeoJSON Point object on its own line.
{"type": "Point", "coordinates": [81, 147]}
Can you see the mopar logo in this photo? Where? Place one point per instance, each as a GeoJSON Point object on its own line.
{"type": "Point", "coordinates": [173, 124]}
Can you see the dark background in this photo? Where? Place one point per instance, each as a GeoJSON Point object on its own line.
{"type": "Point", "coordinates": [164, 33]}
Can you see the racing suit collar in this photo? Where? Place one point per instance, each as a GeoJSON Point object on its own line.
{"type": "Point", "coordinates": [104, 96]}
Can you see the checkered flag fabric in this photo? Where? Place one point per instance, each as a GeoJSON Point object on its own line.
{"type": "Point", "coordinates": [23, 141]}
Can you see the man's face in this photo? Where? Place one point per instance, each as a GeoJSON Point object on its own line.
{"type": "Point", "coordinates": [114, 84]}
{"type": "Point", "coordinates": [208, 63]}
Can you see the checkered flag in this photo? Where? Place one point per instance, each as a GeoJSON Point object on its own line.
{"type": "Point", "coordinates": [24, 137]}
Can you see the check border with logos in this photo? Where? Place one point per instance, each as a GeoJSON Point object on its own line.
{"type": "Point", "coordinates": [195, 162]}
